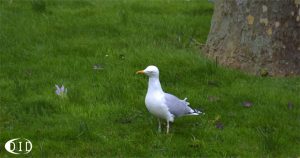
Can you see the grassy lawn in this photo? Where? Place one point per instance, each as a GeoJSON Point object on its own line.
{"type": "Point", "coordinates": [104, 114]}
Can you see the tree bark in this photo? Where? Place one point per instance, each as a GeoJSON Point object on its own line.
{"type": "Point", "coordinates": [258, 36]}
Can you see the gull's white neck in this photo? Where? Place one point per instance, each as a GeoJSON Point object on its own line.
{"type": "Point", "coordinates": [154, 85]}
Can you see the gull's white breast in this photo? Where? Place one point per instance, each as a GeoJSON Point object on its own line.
{"type": "Point", "coordinates": [155, 105]}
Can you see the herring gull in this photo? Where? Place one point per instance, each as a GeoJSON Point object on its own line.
{"type": "Point", "coordinates": [164, 105]}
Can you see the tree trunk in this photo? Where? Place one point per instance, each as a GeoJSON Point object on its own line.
{"type": "Point", "coordinates": [258, 36]}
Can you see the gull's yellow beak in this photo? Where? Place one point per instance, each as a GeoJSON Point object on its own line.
{"type": "Point", "coordinates": [140, 72]}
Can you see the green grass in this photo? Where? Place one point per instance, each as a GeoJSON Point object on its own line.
{"type": "Point", "coordinates": [58, 42]}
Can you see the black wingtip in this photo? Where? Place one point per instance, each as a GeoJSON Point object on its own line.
{"type": "Point", "coordinates": [198, 112]}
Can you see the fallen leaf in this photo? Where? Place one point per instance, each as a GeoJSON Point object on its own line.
{"type": "Point", "coordinates": [247, 104]}
{"type": "Point", "coordinates": [213, 98]}
{"type": "Point", "coordinates": [219, 125]}
{"type": "Point", "coordinates": [264, 72]}
{"type": "Point", "coordinates": [290, 105]}
{"type": "Point", "coordinates": [97, 67]}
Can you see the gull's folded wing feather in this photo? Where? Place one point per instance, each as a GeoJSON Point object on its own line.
{"type": "Point", "coordinates": [176, 106]}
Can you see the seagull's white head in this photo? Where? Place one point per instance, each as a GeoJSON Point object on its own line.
{"type": "Point", "coordinates": [151, 71]}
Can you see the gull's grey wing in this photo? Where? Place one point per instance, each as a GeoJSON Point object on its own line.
{"type": "Point", "coordinates": [176, 106]}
